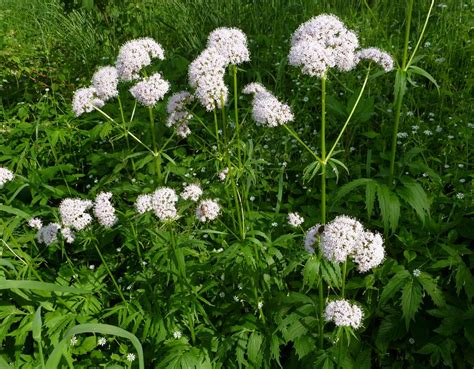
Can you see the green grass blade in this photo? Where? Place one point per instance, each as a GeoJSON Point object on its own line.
{"type": "Point", "coordinates": [43, 286]}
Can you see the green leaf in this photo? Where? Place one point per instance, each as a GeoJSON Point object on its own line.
{"type": "Point", "coordinates": [424, 73]}
{"type": "Point", "coordinates": [400, 86]}
{"type": "Point", "coordinates": [253, 349]}
{"type": "Point", "coordinates": [389, 207]}
{"type": "Point", "coordinates": [43, 286]}
{"type": "Point", "coordinates": [14, 211]}
{"type": "Point", "coordinates": [432, 289]}
{"type": "Point", "coordinates": [4, 363]}
{"type": "Point", "coordinates": [311, 271]}
{"type": "Point", "coordinates": [36, 325]}
{"type": "Point", "coordinates": [411, 300]}
{"type": "Point", "coordinates": [413, 194]}
{"type": "Point", "coordinates": [394, 285]}
{"type": "Point", "coordinates": [106, 329]}
{"type": "Point", "coordinates": [351, 186]}
{"type": "Point", "coordinates": [370, 189]}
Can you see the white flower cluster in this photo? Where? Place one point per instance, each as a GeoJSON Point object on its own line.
{"type": "Point", "coordinates": [73, 213]}
{"type": "Point", "coordinates": [35, 223]}
{"type": "Point", "coordinates": [163, 203]}
{"type": "Point", "coordinates": [266, 109]}
{"type": "Point", "coordinates": [206, 76]}
{"type": "Point", "coordinates": [377, 56]}
{"type": "Point", "coordinates": [192, 192]}
{"type": "Point", "coordinates": [295, 220]}
{"type": "Point", "coordinates": [105, 81]}
{"type": "Point", "coordinates": [85, 99]}
{"type": "Point", "coordinates": [6, 175]}
{"type": "Point", "coordinates": [223, 174]}
{"type": "Point", "coordinates": [225, 46]}
{"type": "Point", "coordinates": [346, 237]}
{"type": "Point", "coordinates": [208, 210]}
{"type": "Point", "coordinates": [178, 115]}
{"type": "Point", "coordinates": [104, 210]}
{"type": "Point", "coordinates": [343, 314]}
{"type": "Point", "coordinates": [324, 42]}
{"type": "Point", "coordinates": [150, 90]}
{"type": "Point", "coordinates": [143, 204]}
{"type": "Point", "coordinates": [48, 234]}
{"type": "Point", "coordinates": [135, 55]}
{"type": "Point", "coordinates": [231, 44]}
{"type": "Point", "coordinates": [311, 238]}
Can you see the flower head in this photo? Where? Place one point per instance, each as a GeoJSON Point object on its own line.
{"type": "Point", "coordinates": [85, 99]}
{"type": "Point", "coordinates": [143, 203]}
{"type": "Point", "coordinates": [178, 115]}
{"type": "Point", "coordinates": [377, 56]}
{"type": "Point", "coordinates": [266, 109]}
{"type": "Point", "coordinates": [343, 314]}
{"type": "Point", "coordinates": [294, 219]}
{"type": "Point", "coordinates": [340, 237]}
{"type": "Point", "coordinates": [206, 75]}
{"type": "Point", "coordinates": [231, 44]}
{"type": "Point", "coordinates": [136, 54]}
{"type": "Point", "coordinates": [68, 234]}
{"type": "Point", "coordinates": [369, 253]}
{"type": "Point", "coordinates": [130, 357]}
{"type": "Point", "coordinates": [48, 234]}
{"type": "Point", "coordinates": [208, 210]}
{"type": "Point", "coordinates": [223, 174]}
{"type": "Point", "coordinates": [73, 213]}
{"type": "Point", "coordinates": [150, 90]}
{"type": "Point", "coordinates": [102, 341]}
{"type": "Point", "coordinates": [104, 210]}
{"type": "Point", "coordinates": [163, 203]}
{"type": "Point", "coordinates": [323, 42]}
{"type": "Point", "coordinates": [105, 81]}
{"type": "Point", "coordinates": [311, 237]}
{"type": "Point", "coordinates": [6, 175]}
{"type": "Point", "coordinates": [35, 223]}
{"type": "Point", "coordinates": [177, 334]}
{"type": "Point", "coordinates": [192, 192]}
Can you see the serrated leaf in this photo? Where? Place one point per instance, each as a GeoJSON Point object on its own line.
{"type": "Point", "coordinates": [411, 300]}
{"type": "Point", "coordinates": [394, 285]}
{"type": "Point", "coordinates": [432, 289]}
{"type": "Point", "coordinates": [389, 207]}
{"type": "Point", "coordinates": [311, 271]}
{"type": "Point", "coordinates": [253, 349]}
{"type": "Point", "coordinates": [416, 197]}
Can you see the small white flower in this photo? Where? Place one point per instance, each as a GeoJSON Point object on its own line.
{"type": "Point", "coordinates": [252, 198]}
{"type": "Point", "coordinates": [35, 223]}
{"type": "Point", "coordinates": [411, 340]}
{"type": "Point", "coordinates": [6, 175]}
{"type": "Point", "coordinates": [416, 272]}
{"type": "Point", "coordinates": [260, 304]}
{"type": "Point", "coordinates": [274, 224]}
{"type": "Point", "coordinates": [208, 210]}
{"type": "Point", "coordinates": [92, 267]}
{"type": "Point", "coordinates": [223, 175]}
{"type": "Point", "coordinates": [73, 341]}
{"type": "Point", "coordinates": [177, 334]}
{"type": "Point", "coordinates": [102, 341]}
{"type": "Point", "coordinates": [343, 314]}
{"type": "Point", "coordinates": [294, 219]}
{"type": "Point", "coordinates": [427, 132]}
{"type": "Point", "coordinates": [460, 195]}
{"type": "Point", "coordinates": [130, 357]}
{"type": "Point", "coordinates": [191, 192]}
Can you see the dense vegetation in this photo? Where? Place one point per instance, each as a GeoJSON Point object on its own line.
{"type": "Point", "coordinates": [240, 291]}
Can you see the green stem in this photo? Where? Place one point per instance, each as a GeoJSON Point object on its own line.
{"type": "Point", "coordinates": [237, 125]}
{"type": "Point", "coordinates": [407, 33]}
{"type": "Point", "coordinates": [393, 152]}
{"type": "Point", "coordinates": [155, 150]}
{"type": "Point", "coordinates": [123, 121]}
{"type": "Point", "coordinates": [295, 135]}
{"type": "Point", "coordinates": [111, 275]}
{"type": "Point", "coordinates": [323, 149]}
{"type": "Point", "coordinates": [216, 126]}
{"type": "Point", "coordinates": [224, 121]}
{"type": "Point", "coordinates": [421, 35]}
{"type": "Point", "coordinates": [344, 271]}
{"type": "Point", "coordinates": [349, 117]}
{"type": "Point", "coordinates": [40, 347]}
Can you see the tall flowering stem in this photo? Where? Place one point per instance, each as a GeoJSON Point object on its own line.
{"type": "Point", "coordinates": [236, 109]}
{"type": "Point", "coordinates": [155, 147]}
{"type": "Point", "coordinates": [323, 149]}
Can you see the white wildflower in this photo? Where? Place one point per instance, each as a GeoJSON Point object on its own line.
{"type": "Point", "coordinates": [231, 44]}
{"type": "Point", "coordinates": [427, 132]}
{"type": "Point", "coordinates": [208, 210]}
{"type": "Point", "coordinates": [73, 213]}
{"type": "Point", "coordinates": [73, 341]}
{"type": "Point", "coordinates": [223, 174]}
{"type": "Point", "coordinates": [143, 203]}
{"type": "Point", "coordinates": [183, 130]}
{"type": "Point", "coordinates": [104, 210]}
{"type": "Point", "coordinates": [178, 115]}
{"type": "Point", "coordinates": [192, 192]}
{"type": "Point", "coordinates": [343, 314]}
{"type": "Point", "coordinates": [206, 75]}
{"type": "Point", "coordinates": [311, 238]}
{"type": "Point", "coordinates": [177, 334]}
{"type": "Point", "coordinates": [163, 203]}
{"type": "Point", "coordinates": [130, 357]}
{"type": "Point", "coordinates": [460, 195]}
{"type": "Point", "coordinates": [136, 54]}
{"type": "Point", "coordinates": [260, 305]}
{"type": "Point", "coordinates": [266, 109]}
{"type": "Point", "coordinates": [35, 223]}
{"type": "Point", "coordinates": [102, 341]}
{"type": "Point", "coordinates": [48, 234]}
{"type": "Point", "coordinates": [85, 99]}
{"type": "Point", "coordinates": [369, 253]}
{"type": "Point", "coordinates": [68, 234]}
{"type": "Point", "coordinates": [294, 219]}
{"type": "Point", "coordinates": [377, 56]}
{"type": "Point", "coordinates": [105, 81]}
{"type": "Point", "coordinates": [416, 272]}
{"type": "Point", "coordinates": [150, 90]}
{"type": "Point", "coordinates": [6, 175]}
{"type": "Point", "coordinates": [340, 237]}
